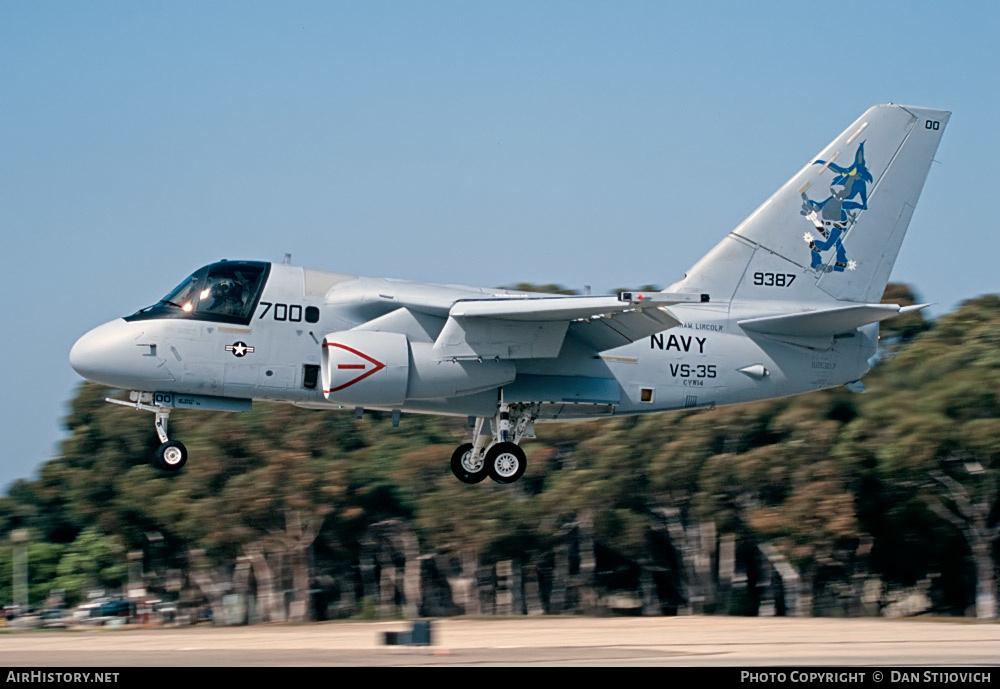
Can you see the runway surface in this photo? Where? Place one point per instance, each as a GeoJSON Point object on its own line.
{"type": "Point", "coordinates": [539, 641]}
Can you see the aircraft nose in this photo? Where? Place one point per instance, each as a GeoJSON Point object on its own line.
{"type": "Point", "coordinates": [94, 352]}
{"type": "Point", "coordinates": [115, 355]}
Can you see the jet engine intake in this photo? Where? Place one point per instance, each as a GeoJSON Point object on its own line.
{"type": "Point", "coordinates": [365, 368]}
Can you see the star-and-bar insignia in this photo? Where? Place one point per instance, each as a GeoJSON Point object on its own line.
{"type": "Point", "coordinates": [239, 349]}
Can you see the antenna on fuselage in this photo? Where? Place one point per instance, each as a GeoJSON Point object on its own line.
{"type": "Point", "coordinates": [287, 260]}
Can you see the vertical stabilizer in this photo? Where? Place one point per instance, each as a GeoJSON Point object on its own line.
{"type": "Point", "coordinates": [833, 231]}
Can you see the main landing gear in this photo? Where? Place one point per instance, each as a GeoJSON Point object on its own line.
{"type": "Point", "coordinates": [171, 455]}
{"type": "Point", "coordinates": [502, 460]}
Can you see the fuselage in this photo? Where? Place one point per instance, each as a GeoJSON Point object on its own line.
{"type": "Point", "coordinates": [269, 346]}
{"type": "Point", "coordinates": [785, 303]}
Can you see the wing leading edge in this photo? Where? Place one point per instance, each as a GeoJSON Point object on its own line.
{"type": "Point", "coordinates": [529, 328]}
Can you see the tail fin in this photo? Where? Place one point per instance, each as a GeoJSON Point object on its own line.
{"type": "Point", "coordinates": [835, 228]}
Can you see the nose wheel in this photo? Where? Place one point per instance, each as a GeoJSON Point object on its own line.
{"type": "Point", "coordinates": [171, 456]}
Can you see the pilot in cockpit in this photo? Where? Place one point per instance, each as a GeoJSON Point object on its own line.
{"type": "Point", "coordinates": [227, 296]}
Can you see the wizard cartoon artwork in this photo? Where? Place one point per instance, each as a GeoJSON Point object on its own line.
{"type": "Point", "coordinates": [834, 216]}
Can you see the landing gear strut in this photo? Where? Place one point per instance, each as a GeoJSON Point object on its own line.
{"type": "Point", "coordinates": [171, 455]}
{"type": "Point", "coordinates": [502, 460]}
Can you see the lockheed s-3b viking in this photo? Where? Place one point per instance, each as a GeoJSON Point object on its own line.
{"type": "Point", "coordinates": [786, 303]}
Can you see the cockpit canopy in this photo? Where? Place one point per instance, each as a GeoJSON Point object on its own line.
{"type": "Point", "coordinates": [227, 292]}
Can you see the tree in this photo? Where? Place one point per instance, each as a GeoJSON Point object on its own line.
{"type": "Point", "coordinates": [92, 561]}
{"type": "Point", "coordinates": [930, 430]}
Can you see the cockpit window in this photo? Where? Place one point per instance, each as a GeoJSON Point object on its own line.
{"type": "Point", "coordinates": [227, 291]}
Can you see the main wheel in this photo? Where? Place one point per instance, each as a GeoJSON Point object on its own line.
{"type": "Point", "coordinates": [171, 455]}
{"type": "Point", "coordinates": [468, 469]}
{"type": "Point", "coordinates": [506, 462]}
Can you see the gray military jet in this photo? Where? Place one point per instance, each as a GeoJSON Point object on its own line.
{"type": "Point", "coordinates": [786, 303]}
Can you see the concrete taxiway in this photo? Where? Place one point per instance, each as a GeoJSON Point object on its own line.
{"type": "Point", "coordinates": [539, 641]}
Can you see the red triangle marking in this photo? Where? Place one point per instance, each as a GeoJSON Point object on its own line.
{"type": "Point", "coordinates": [378, 367]}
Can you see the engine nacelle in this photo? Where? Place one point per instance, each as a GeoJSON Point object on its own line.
{"type": "Point", "coordinates": [431, 377]}
{"type": "Point", "coordinates": [365, 368]}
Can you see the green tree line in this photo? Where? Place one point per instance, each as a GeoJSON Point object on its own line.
{"type": "Point", "coordinates": [832, 503]}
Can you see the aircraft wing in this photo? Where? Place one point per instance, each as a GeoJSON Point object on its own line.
{"type": "Point", "coordinates": [535, 327]}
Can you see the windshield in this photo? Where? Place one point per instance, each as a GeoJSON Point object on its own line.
{"type": "Point", "coordinates": [227, 291]}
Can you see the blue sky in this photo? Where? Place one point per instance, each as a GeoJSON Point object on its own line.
{"type": "Point", "coordinates": [485, 143]}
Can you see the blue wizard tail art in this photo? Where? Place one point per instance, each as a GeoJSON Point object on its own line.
{"type": "Point", "coordinates": [833, 216]}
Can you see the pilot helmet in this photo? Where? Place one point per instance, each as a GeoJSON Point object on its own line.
{"type": "Point", "coordinates": [226, 287]}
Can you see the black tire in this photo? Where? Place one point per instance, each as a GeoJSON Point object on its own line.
{"type": "Point", "coordinates": [463, 471]}
{"type": "Point", "coordinates": [171, 456]}
{"type": "Point", "coordinates": [506, 462]}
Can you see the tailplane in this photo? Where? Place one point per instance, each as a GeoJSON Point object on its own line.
{"type": "Point", "coordinates": [833, 231]}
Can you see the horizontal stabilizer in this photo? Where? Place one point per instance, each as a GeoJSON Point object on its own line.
{"type": "Point", "coordinates": [825, 322]}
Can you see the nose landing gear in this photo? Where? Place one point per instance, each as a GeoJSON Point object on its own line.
{"type": "Point", "coordinates": [171, 455]}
